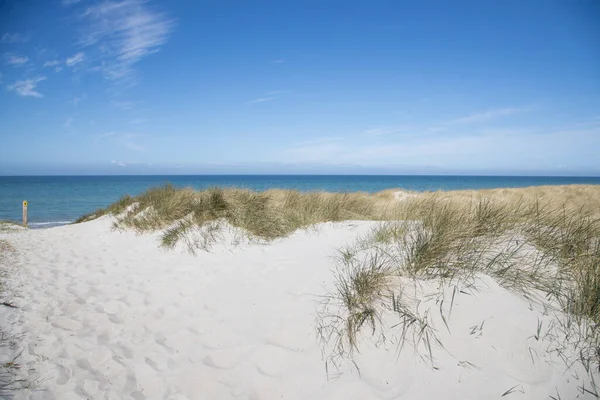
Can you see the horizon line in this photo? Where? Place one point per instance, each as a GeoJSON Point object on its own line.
{"type": "Point", "coordinates": [313, 174]}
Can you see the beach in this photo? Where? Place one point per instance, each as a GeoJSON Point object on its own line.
{"type": "Point", "coordinates": [112, 314]}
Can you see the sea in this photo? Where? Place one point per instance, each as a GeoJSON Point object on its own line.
{"type": "Point", "coordinates": [59, 200]}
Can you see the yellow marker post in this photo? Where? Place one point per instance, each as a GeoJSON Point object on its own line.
{"type": "Point", "coordinates": [25, 213]}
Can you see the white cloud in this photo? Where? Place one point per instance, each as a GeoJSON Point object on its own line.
{"type": "Point", "coordinates": [27, 87]}
{"type": "Point", "coordinates": [260, 100]}
{"type": "Point", "coordinates": [51, 63]}
{"type": "Point", "coordinates": [501, 148]}
{"type": "Point", "coordinates": [69, 2]}
{"type": "Point", "coordinates": [75, 59]}
{"type": "Point", "coordinates": [14, 59]}
{"type": "Point", "coordinates": [14, 38]}
{"type": "Point", "coordinates": [136, 121]}
{"type": "Point", "coordinates": [123, 33]}
{"type": "Point", "coordinates": [119, 163]}
{"type": "Point", "coordinates": [68, 122]}
{"type": "Point", "coordinates": [278, 61]}
{"type": "Point", "coordinates": [487, 115]}
{"type": "Point", "coordinates": [58, 69]}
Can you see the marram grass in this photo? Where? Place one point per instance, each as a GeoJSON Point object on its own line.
{"type": "Point", "coordinates": [532, 239]}
{"type": "Point", "coordinates": [528, 244]}
{"type": "Point", "coordinates": [266, 215]}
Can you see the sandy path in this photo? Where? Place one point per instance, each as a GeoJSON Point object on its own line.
{"type": "Point", "coordinates": [111, 313]}
{"type": "Point", "coordinates": [111, 316]}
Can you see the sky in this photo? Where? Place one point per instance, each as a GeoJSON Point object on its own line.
{"type": "Point", "coordinates": [300, 87]}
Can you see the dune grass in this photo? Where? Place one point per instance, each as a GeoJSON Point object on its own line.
{"type": "Point", "coordinates": [264, 215]}
{"type": "Point", "coordinates": [9, 226]}
{"type": "Point", "coordinates": [537, 242]}
{"type": "Point", "coordinates": [531, 241]}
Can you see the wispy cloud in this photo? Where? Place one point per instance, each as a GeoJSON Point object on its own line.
{"type": "Point", "coordinates": [69, 2]}
{"type": "Point", "coordinates": [55, 64]}
{"type": "Point", "coordinates": [14, 38]}
{"type": "Point", "coordinates": [51, 63]}
{"type": "Point", "coordinates": [75, 59]}
{"type": "Point", "coordinates": [122, 33]}
{"type": "Point", "coordinates": [119, 163]}
{"type": "Point", "coordinates": [14, 59]}
{"type": "Point", "coordinates": [105, 135]}
{"type": "Point", "coordinates": [27, 87]}
{"type": "Point", "coordinates": [68, 122]}
{"type": "Point", "coordinates": [278, 61]}
{"type": "Point", "coordinates": [506, 148]}
{"type": "Point", "coordinates": [488, 115]}
{"type": "Point", "coordinates": [260, 100]}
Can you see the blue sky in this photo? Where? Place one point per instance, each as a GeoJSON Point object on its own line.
{"type": "Point", "coordinates": [305, 86]}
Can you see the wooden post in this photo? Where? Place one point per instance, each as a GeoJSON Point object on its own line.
{"type": "Point", "coordinates": [25, 213]}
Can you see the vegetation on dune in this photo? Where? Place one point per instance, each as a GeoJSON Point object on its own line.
{"type": "Point", "coordinates": [9, 226]}
{"type": "Point", "coordinates": [266, 215]}
{"type": "Point", "coordinates": [531, 241]}
{"type": "Point", "coordinates": [535, 242]}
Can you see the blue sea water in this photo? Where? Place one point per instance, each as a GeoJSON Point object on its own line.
{"type": "Point", "coordinates": [58, 200]}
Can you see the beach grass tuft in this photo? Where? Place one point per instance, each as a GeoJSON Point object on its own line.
{"type": "Point", "coordinates": [528, 244]}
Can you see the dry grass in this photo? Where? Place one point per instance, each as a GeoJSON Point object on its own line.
{"type": "Point", "coordinates": [530, 241]}
{"type": "Point", "coordinates": [533, 239]}
{"type": "Point", "coordinates": [9, 226]}
{"type": "Point", "coordinates": [265, 215]}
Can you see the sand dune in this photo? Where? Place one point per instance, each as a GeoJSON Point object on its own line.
{"type": "Point", "coordinates": [110, 315]}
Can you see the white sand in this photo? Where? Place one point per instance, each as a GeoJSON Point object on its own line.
{"type": "Point", "coordinates": [110, 315]}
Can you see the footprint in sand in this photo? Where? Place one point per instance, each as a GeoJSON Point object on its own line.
{"type": "Point", "coordinates": [64, 374]}
{"type": "Point", "coordinates": [225, 359]}
{"type": "Point", "coordinates": [66, 323]}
